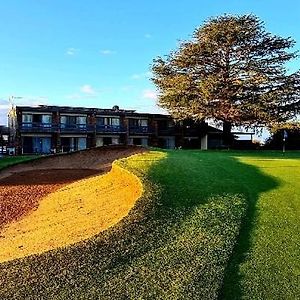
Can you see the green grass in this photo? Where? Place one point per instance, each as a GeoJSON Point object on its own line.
{"type": "Point", "coordinates": [12, 160]}
{"type": "Point", "coordinates": [210, 224]}
{"type": "Point", "coordinates": [266, 262]}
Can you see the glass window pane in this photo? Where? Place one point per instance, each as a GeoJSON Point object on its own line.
{"type": "Point", "coordinates": [115, 121]}
{"type": "Point", "coordinates": [46, 119]}
{"type": "Point", "coordinates": [26, 118]}
{"type": "Point", "coordinates": [81, 143]}
{"type": "Point", "coordinates": [99, 141]}
{"type": "Point", "coordinates": [63, 119]}
{"type": "Point", "coordinates": [81, 120]}
{"type": "Point", "coordinates": [115, 141]}
{"type": "Point", "coordinates": [143, 122]}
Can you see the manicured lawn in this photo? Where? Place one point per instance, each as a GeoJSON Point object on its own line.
{"type": "Point", "coordinates": [266, 262]}
{"type": "Point", "coordinates": [11, 160]}
{"type": "Point", "coordinates": [209, 225]}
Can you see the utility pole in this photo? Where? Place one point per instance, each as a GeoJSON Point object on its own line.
{"type": "Point", "coordinates": [11, 100]}
{"type": "Point", "coordinates": [285, 136]}
{"type": "Point", "coordinates": [13, 123]}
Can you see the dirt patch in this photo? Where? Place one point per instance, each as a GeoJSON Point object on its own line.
{"type": "Point", "coordinates": [20, 193]}
{"type": "Point", "coordinates": [24, 185]}
{"type": "Point", "coordinates": [73, 213]}
{"type": "Point", "coordinates": [96, 159]}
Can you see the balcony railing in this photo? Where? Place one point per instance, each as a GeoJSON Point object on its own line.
{"type": "Point", "coordinates": [38, 127]}
{"type": "Point", "coordinates": [110, 129]}
{"type": "Point", "coordinates": [62, 127]}
{"type": "Point", "coordinates": [76, 127]}
{"type": "Point", "coordinates": [141, 130]}
{"type": "Point", "coordinates": [50, 127]}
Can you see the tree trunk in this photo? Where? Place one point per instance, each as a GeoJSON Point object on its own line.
{"type": "Point", "coordinates": [227, 135]}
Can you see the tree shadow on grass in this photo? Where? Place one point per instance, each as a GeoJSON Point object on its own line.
{"type": "Point", "coordinates": [254, 182]}
{"type": "Point", "coordinates": [156, 251]}
{"type": "Point", "coordinates": [222, 173]}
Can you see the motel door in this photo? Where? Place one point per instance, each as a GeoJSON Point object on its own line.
{"type": "Point", "coordinates": [41, 145]}
{"type": "Point", "coordinates": [81, 143]}
{"type": "Point", "coordinates": [46, 145]}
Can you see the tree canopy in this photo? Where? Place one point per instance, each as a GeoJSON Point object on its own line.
{"type": "Point", "coordinates": [233, 71]}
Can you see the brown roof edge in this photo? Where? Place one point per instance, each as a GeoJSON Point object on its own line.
{"type": "Point", "coordinates": [69, 109]}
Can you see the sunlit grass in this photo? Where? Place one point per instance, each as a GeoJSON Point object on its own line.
{"type": "Point", "coordinates": [208, 225]}
{"type": "Point", "coordinates": [270, 268]}
{"type": "Point", "coordinates": [173, 244]}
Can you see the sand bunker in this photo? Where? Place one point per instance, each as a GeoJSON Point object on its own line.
{"type": "Point", "coordinates": [41, 210]}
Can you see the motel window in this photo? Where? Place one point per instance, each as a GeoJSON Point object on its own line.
{"type": "Point", "coordinates": [72, 120]}
{"type": "Point", "coordinates": [108, 121]}
{"type": "Point", "coordinates": [138, 122]}
{"type": "Point", "coordinates": [26, 118]}
{"type": "Point", "coordinates": [115, 121]}
{"type": "Point", "coordinates": [143, 122]}
{"type": "Point", "coordinates": [81, 120]}
{"type": "Point", "coordinates": [115, 141]}
{"type": "Point", "coordinates": [46, 119]}
{"type": "Point", "coordinates": [63, 119]}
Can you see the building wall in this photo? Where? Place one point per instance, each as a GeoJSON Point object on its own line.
{"type": "Point", "coordinates": [60, 129]}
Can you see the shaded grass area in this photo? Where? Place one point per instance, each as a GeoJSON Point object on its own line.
{"type": "Point", "coordinates": [12, 160]}
{"type": "Point", "coordinates": [174, 244]}
{"type": "Point", "coordinates": [265, 262]}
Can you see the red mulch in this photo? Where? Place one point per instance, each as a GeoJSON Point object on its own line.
{"type": "Point", "coordinates": [23, 186]}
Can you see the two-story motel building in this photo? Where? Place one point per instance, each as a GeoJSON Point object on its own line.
{"type": "Point", "coordinates": [46, 129]}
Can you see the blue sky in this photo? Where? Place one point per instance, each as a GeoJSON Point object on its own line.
{"type": "Point", "coordinates": [98, 53]}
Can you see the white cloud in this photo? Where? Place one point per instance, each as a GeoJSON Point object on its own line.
{"type": "Point", "coordinates": [107, 52]}
{"type": "Point", "coordinates": [87, 89]}
{"type": "Point", "coordinates": [5, 105]}
{"type": "Point", "coordinates": [138, 76]}
{"type": "Point", "coordinates": [4, 108]}
{"type": "Point", "coordinates": [3, 116]}
{"type": "Point", "coordinates": [149, 94]}
{"type": "Point", "coordinates": [72, 51]}
{"type": "Point", "coordinates": [24, 101]}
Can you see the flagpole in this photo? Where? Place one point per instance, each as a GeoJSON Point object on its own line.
{"type": "Point", "coordinates": [285, 135]}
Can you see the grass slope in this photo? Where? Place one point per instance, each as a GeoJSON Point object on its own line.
{"type": "Point", "coordinates": [177, 242]}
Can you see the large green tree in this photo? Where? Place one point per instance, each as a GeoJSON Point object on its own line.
{"type": "Point", "coordinates": [232, 71]}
